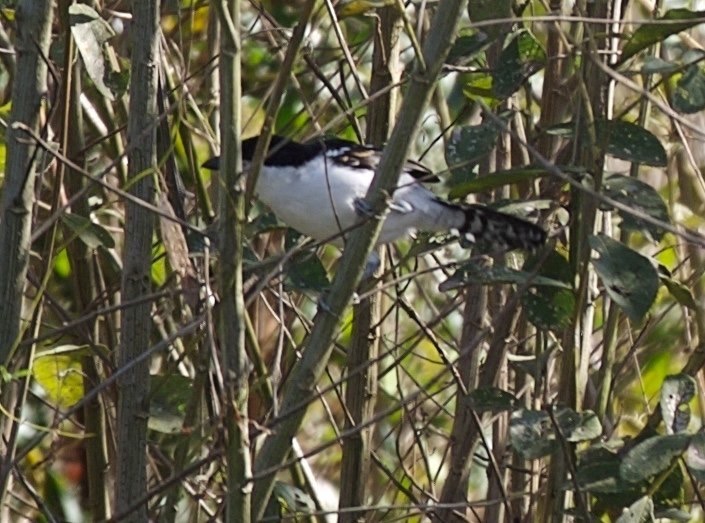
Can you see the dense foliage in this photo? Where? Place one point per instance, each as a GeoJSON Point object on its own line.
{"type": "Point", "coordinates": [460, 384]}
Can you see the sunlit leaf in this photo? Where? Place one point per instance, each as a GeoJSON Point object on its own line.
{"type": "Point", "coordinates": [641, 511]}
{"type": "Point", "coordinates": [676, 392]}
{"type": "Point", "coordinates": [61, 377]}
{"type": "Point", "coordinates": [629, 278]}
{"type": "Point", "coordinates": [159, 269]}
{"type": "Point", "coordinates": [62, 266]}
{"type": "Point", "coordinates": [478, 88]}
{"type": "Point", "coordinates": [654, 32]}
{"type": "Point", "coordinates": [522, 57]}
{"type": "Point", "coordinates": [91, 32]}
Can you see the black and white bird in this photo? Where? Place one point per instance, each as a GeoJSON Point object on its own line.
{"type": "Point", "coordinates": [318, 188]}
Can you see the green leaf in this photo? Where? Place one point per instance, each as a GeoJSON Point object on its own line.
{"type": "Point", "coordinates": [522, 57]}
{"type": "Point", "coordinates": [630, 279]}
{"type": "Point", "coordinates": [672, 514]}
{"type": "Point", "coordinates": [578, 426]}
{"type": "Point", "coordinates": [158, 270]}
{"type": "Point", "coordinates": [475, 271]}
{"type": "Point", "coordinates": [630, 142]}
{"type": "Point", "coordinates": [688, 93]}
{"type": "Point", "coordinates": [652, 456]}
{"type": "Point", "coordinates": [695, 456]}
{"type": "Point", "coordinates": [467, 46]}
{"type": "Point", "coordinates": [641, 511]}
{"type": "Point", "coordinates": [533, 436]}
{"type": "Point", "coordinates": [550, 308]}
{"type": "Point", "coordinates": [623, 140]}
{"type": "Point", "coordinates": [169, 394]}
{"type": "Point", "coordinates": [598, 472]}
{"type": "Point", "coordinates": [61, 377]}
{"type": "Point", "coordinates": [531, 433]}
{"type": "Point", "coordinates": [291, 499]}
{"type": "Point", "coordinates": [491, 399]}
{"type": "Point", "coordinates": [677, 390]}
{"type": "Point", "coordinates": [495, 180]}
{"type": "Point", "coordinates": [90, 233]}
{"type": "Point", "coordinates": [306, 273]}
{"type": "Point", "coordinates": [639, 196]}
{"type": "Point", "coordinates": [656, 65]}
{"type": "Point", "coordinates": [651, 33]}
{"type": "Point", "coordinates": [478, 88]}
{"type": "Point", "coordinates": [466, 147]}
{"type": "Point", "coordinates": [91, 32]}
{"type": "Point", "coordinates": [680, 291]}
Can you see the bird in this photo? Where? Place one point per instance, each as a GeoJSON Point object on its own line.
{"type": "Point", "coordinates": [318, 189]}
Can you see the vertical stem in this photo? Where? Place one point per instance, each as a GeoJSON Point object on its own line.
{"type": "Point", "coordinates": [361, 388]}
{"type": "Point", "coordinates": [136, 324]}
{"type": "Point", "coordinates": [83, 279]}
{"type": "Point", "coordinates": [232, 306]}
{"type": "Point", "coordinates": [33, 20]}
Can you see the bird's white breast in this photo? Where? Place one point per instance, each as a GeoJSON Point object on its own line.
{"type": "Point", "coordinates": [314, 198]}
{"type": "Point", "coordinates": [318, 197]}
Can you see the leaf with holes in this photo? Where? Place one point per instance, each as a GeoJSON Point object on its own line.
{"type": "Point", "coordinates": [630, 279]}
{"type": "Point", "coordinates": [641, 197]}
{"type": "Point", "coordinates": [677, 390]}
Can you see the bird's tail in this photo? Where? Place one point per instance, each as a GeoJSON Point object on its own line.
{"type": "Point", "coordinates": [499, 231]}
